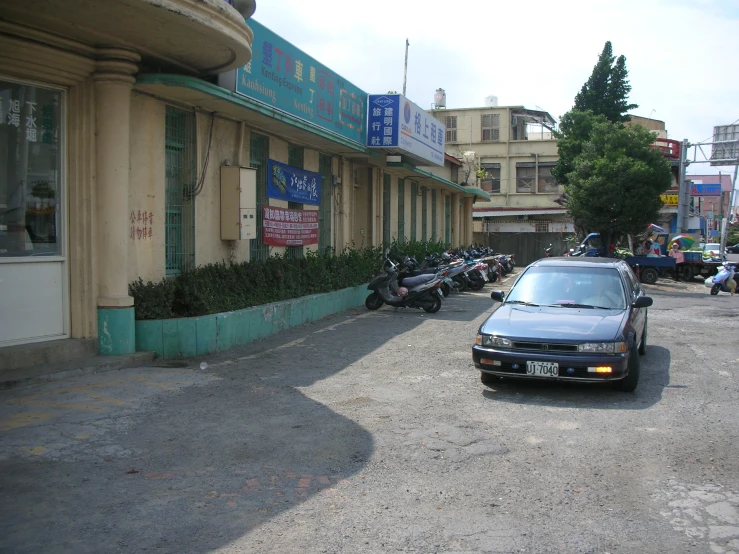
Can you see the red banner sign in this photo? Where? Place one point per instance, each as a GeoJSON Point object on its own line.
{"type": "Point", "coordinates": [289, 227]}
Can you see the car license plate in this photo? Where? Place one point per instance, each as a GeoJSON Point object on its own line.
{"type": "Point", "coordinates": [545, 369]}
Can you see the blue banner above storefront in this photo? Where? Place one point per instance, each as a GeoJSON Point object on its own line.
{"type": "Point", "coordinates": [292, 184]}
{"type": "Point", "coordinates": [705, 189]}
{"type": "Point", "coordinates": [394, 122]}
{"type": "Point", "coordinates": [286, 78]}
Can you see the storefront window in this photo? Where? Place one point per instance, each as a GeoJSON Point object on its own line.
{"type": "Point", "coordinates": [30, 170]}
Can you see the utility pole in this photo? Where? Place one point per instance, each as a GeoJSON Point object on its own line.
{"type": "Point", "coordinates": [683, 199]}
{"type": "Point", "coordinates": [405, 68]}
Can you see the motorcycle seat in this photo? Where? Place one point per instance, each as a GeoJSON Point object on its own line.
{"type": "Point", "coordinates": [411, 282]}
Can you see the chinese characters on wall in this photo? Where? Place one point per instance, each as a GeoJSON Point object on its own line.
{"type": "Point", "coordinates": [141, 225]}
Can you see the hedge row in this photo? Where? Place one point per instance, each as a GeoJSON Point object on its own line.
{"type": "Point", "coordinates": [223, 287]}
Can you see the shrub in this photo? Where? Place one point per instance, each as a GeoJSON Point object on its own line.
{"type": "Point", "coordinates": [223, 287]}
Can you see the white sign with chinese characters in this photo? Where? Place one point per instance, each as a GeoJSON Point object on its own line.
{"type": "Point", "coordinates": [394, 122]}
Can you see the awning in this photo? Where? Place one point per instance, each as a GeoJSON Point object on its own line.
{"type": "Point", "coordinates": [409, 171]}
{"type": "Point", "coordinates": [212, 98]}
{"type": "Point", "coordinates": [488, 212]}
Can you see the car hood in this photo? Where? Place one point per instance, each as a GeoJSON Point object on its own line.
{"type": "Point", "coordinates": [581, 324]}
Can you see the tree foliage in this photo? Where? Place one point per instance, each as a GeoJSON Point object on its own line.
{"type": "Point", "coordinates": [606, 91]}
{"type": "Point", "coordinates": [615, 178]}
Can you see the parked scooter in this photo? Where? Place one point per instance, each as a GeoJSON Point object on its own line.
{"type": "Point", "coordinates": [718, 283]}
{"type": "Point", "coordinates": [422, 291]}
{"type": "Point", "coordinates": [548, 251]}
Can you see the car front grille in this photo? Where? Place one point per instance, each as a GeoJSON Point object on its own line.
{"type": "Point", "coordinates": [544, 346]}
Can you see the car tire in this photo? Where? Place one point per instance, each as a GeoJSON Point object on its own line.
{"type": "Point", "coordinates": [488, 379]}
{"type": "Point", "coordinates": [649, 275]}
{"type": "Point", "coordinates": [687, 273]}
{"type": "Point", "coordinates": [643, 343]}
{"type": "Point", "coordinates": [629, 383]}
{"type": "Point", "coordinates": [374, 302]}
{"type": "Point", "coordinates": [435, 306]}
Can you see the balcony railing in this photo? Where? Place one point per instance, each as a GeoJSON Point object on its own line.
{"type": "Point", "coordinates": [669, 148]}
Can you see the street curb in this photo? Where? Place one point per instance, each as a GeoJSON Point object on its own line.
{"type": "Point", "coordinates": [54, 372]}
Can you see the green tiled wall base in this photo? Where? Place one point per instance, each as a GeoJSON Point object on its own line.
{"type": "Point", "coordinates": [195, 336]}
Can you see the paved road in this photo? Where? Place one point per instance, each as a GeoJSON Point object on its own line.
{"type": "Point", "coordinates": [371, 432]}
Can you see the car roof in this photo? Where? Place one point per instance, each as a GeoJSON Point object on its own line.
{"type": "Point", "coordinates": [578, 261]}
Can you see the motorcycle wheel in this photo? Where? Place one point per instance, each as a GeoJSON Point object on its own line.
{"type": "Point", "coordinates": [462, 284]}
{"type": "Point", "coordinates": [446, 290]}
{"type": "Point", "coordinates": [715, 290]}
{"type": "Point", "coordinates": [435, 306]}
{"type": "Point", "coordinates": [477, 285]}
{"type": "Point", "coordinates": [374, 302]}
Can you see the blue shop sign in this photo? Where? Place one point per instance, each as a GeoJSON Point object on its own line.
{"type": "Point", "coordinates": [292, 184]}
{"type": "Point", "coordinates": [286, 78]}
{"type": "Point", "coordinates": [396, 122]}
{"type": "Point", "coordinates": [705, 190]}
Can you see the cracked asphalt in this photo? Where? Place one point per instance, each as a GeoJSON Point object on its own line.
{"type": "Point", "coordinates": [371, 432]}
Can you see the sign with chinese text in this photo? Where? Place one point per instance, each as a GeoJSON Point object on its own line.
{"type": "Point", "coordinates": [141, 225]}
{"type": "Point", "coordinates": [284, 77]}
{"type": "Point", "coordinates": [395, 122]}
{"type": "Point", "coordinates": [669, 199]}
{"type": "Point", "coordinates": [705, 189]}
{"type": "Point", "coordinates": [292, 184]}
{"type": "Point", "coordinates": [284, 227]}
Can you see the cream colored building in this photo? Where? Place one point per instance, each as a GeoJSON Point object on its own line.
{"type": "Point", "coordinates": [113, 139]}
{"type": "Point", "coordinates": [513, 151]}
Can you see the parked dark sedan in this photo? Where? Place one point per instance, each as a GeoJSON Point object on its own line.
{"type": "Point", "coordinates": [733, 249]}
{"type": "Point", "coordinates": [568, 319]}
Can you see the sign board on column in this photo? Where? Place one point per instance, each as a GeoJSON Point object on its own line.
{"type": "Point", "coordinates": [283, 227]}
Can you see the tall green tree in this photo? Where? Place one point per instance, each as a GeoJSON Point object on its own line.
{"type": "Point", "coordinates": [606, 91]}
{"type": "Point", "coordinates": [616, 177]}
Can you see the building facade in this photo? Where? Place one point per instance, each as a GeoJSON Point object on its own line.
{"type": "Point", "coordinates": [116, 138]}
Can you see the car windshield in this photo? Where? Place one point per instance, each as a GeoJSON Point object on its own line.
{"type": "Point", "coordinates": [569, 287]}
{"type": "Point", "coordinates": [712, 246]}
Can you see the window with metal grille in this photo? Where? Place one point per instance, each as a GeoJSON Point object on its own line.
{"type": "Point", "coordinates": [385, 209]}
{"type": "Point", "coordinates": [324, 210]}
{"type": "Point", "coordinates": [180, 179]}
{"type": "Point", "coordinates": [434, 235]}
{"type": "Point", "coordinates": [295, 157]}
{"type": "Point", "coordinates": [448, 219]}
{"type": "Point", "coordinates": [414, 209]}
{"type": "Point", "coordinates": [258, 155]}
{"type": "Point", "coordinates": [525, 178]}
{"type": "Point", "coordinates": [490, 127]}
{"type": "Point", "coordinates": [401, 211]}
{"type": "Point", "coordinates": [451, 128]}
{"type": "Point", "coordinates": [424, 214]}
{"type": "Point", "coordinates": [547, 183]}
{"type": "Point", "coordinates": [491, 181]}
{"type": "Point", "coordinates": [541, 226]}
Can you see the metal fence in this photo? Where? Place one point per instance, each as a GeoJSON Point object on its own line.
{"type": "Point", "coordinates": [527, 247]}
{"type": "Point", "coordinates": [180, 180]}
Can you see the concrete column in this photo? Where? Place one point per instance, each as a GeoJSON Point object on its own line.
{"type": "Point", "coordinates": [113, 80]}
{"type": "Point", "coordinates": [455, 236]}
{"type": "Point", "coordinates": [468, 221]}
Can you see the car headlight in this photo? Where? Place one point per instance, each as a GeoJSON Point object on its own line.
{"type": "Point", "coordinates": [603, 347]}
{"type": "Point", "coordinates": [488, 340]}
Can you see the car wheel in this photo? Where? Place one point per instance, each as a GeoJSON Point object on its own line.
{"type": "Point", "coordinates": [649, 275]}
{"type": "Point", "coordinates": [643, 344]}
{"type": "Point", "coordinates": [628, 383]}
{"type": "Point", "coordinates": [374, 302]}
{"type": "Point", "coordinates": [715, 290]}
{"type": "Point", "coordinates": [435, 306]}
{"type": "Point", "coordinates": [488, 379]}
{"type": "Point", "coordinates": [687, 273]}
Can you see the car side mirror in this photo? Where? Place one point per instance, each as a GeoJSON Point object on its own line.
{"type": "Point", "coordinates": [643, 302]}
{"type": "Point", "coordinates": [497, 295]}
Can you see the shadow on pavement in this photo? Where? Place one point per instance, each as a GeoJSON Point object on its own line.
{"type": "Point", "coordinates": [655, 376]}
{"type": "Point", "coordinates": [133, 461]}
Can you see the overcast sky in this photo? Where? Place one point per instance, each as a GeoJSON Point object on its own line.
{"type": "Point", "coordinates": [682, 55]}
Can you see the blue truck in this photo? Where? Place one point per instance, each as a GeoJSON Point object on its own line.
{"type": "Point", "coordinates": [651, 268]}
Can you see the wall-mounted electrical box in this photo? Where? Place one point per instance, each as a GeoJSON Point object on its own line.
{"type": "Point", "coordinates": [238, 203]}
